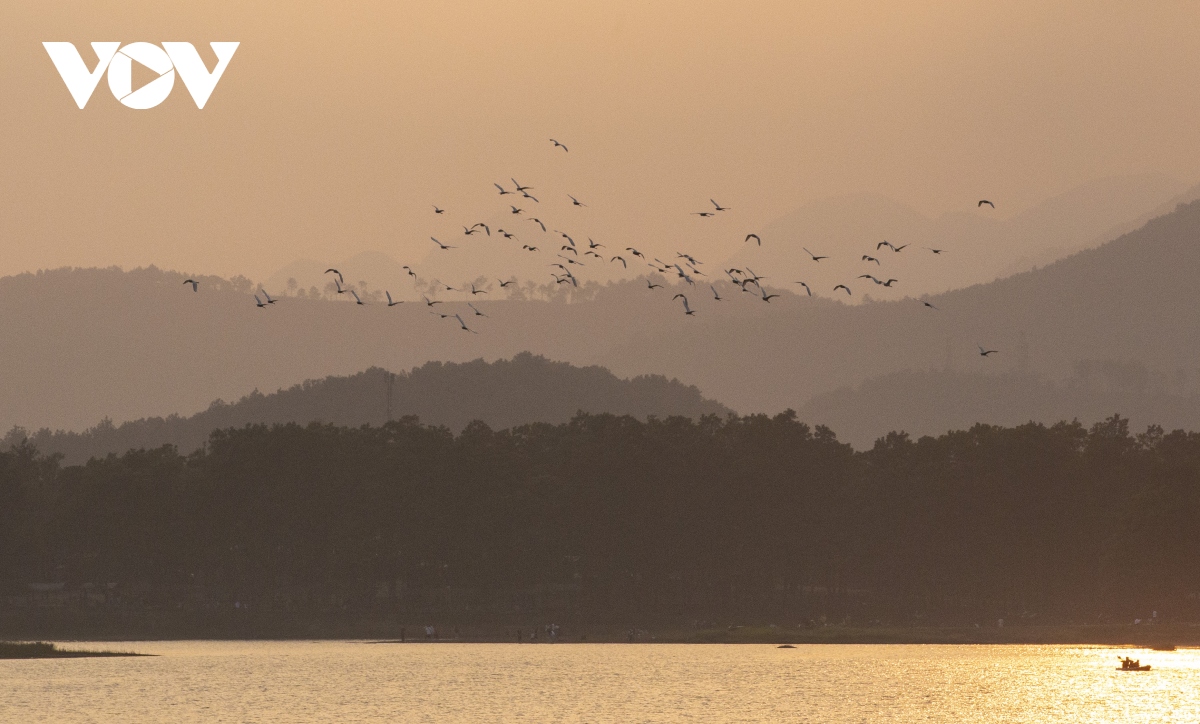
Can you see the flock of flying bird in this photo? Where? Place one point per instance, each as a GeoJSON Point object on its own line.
{"type": "Point", "coordinates": [684, 266]}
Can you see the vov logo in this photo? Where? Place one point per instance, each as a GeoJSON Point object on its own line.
{"type": "Point", "coordinates": [118, 60]}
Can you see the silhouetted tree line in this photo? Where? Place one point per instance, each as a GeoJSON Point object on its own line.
{"type": "Point", "coordinates": [723, 519]}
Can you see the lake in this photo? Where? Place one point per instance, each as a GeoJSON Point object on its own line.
{"type": "Point", "coordinates": [343, 681]}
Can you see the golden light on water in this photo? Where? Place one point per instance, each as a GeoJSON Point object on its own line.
{"type": "Point", "coordinates": [353, 681]}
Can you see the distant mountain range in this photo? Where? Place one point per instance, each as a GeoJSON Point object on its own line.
{"type": "Point", "coordinates": [84, 344]}
{"type": "Point", "coordinates": [502, 394]}
{"type": "Point", "coordinates": [982, 244]}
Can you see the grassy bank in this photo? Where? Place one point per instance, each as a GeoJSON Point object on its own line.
{"type": "Point", "coordinates": [46, 650]}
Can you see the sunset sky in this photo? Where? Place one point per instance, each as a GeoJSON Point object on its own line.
{"type": "Point", "coordinates": [336, 127]}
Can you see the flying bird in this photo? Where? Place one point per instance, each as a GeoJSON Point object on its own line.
{"type": "Point", "coordinates": [985, 201]}
{"type": "Point", "coordinates": [814, 256]}
{"type": "Point", "coordinates": [484, 226]}
{"type": "Point", "coordinates": [936, 251]}
{"type": "Point", "coordinates": [755, 237]}
{"type": "Point", "coordinates": [575, 201]}
{"type": "Point", "coordinates": [922, 301]}
{"type": "Point", "coordinates": [475, 291]}
{"type": "Point", "coordinates": [464, 325]}
{"type": "Point", "coordinates": [411, 273]}
{"type": "Point", "coordinates": [805, 288]}
{"type": "Point", "coordinates": [506, 234]}
{"type": "Point", "coordinates": [527, 247]}
{"type": "Point", "coordinates": [267, 297]}
{"type": "Point", "coordinates": [505, 284]}
{"type": "Point", "coordinates": [559, 145]}
{"type": "Point", "coordinates": [527, 195]}
{"type": "Point", "coordinates": [519, 186]}
{"type": "Point", "coordinates": [503, 190]}
{"type": "Point", "coordinates": [704, 214]}
{"type": "Point", "coordinates": [842, 286]}
{"type": "Point", "coordinates": [515, 210]}
{"type": "Point", "coordinates": [619, 258]}
{"type": "Point", "coordinates": [985, 352]}
{"type": "Point", "coordinates": [635, 252]}
{"type": "Point", "coordinates": [719, 207]}
{"type": "Point", "coordinates": [888, 283]}
{"type": "Point", "coordinates": [652, 285]}
{"type": "Point", "coordinates": [468, 232]}
{"type": "Point", "coordinates": [884, 243]}
{"type": "Point", "coordinates": [436, 210]}
{"type": "Point", "coordinates": [477, 312]}
{"type": "Point", "coordinates": [767, 297]}
{"type": "Point", "coordinates": [538, 222]}
{"type": "Point", "coordinates": [440, 244]}
{"type": "Point", "coordinates": [594, 244]}
{"type": "Point", "coordinates": [683, 275]}
{"type": "Point", "coordinates": [716, 296]}
{"type": "Point", "coordinates": [429, 303]}
{"type": "Point", "coordinates": [687, 309]}
{"type": "Point", "coordinates": [902, 247]}
{"type": "Point", "coordinates": [339, 274]}
{"type": "Point", "coordinates": [389, 297]}
{"type": "Point", "coordinates": [258, 302]}
{"type": "Point", "coordinates": [357, 301]}
{"type": "Point", "coordinates": [195, 284]}
{"type": "Point", "coordinates": [870, 258]}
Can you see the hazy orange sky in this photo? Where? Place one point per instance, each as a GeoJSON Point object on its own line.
{"type": "Point", "coordinates": [337, 125]}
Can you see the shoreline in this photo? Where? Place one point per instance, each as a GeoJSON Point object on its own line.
{"type": "Point", "coordinates": [1162, 636]}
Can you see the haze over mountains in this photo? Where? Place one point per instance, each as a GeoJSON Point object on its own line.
{"type": "Point", "coordinates": [982, 245]}
{"type": "Point", "coordinates": [83, 345]}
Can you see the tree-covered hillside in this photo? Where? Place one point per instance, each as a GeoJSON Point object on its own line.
{"type": "Point", "coordinates": [503, 394]}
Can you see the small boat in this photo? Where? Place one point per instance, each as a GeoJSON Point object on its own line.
{"type": "Point", "coordinates": [785, 646]}
{"type": "Point", "coordinates": [1131, 665]}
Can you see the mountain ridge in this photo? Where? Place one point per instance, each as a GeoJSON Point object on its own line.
{"type": "Point", "coordinates": [502, 394]}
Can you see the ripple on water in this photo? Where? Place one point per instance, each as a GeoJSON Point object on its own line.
{"type": "Point", "coordinates": [281, 682]}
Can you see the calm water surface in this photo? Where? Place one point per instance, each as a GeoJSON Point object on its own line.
{"type": "Point", "coordinates": [355, 682]}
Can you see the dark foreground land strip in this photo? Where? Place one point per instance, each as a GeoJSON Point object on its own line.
{"type": "Point", "coordinates": [45, 650]}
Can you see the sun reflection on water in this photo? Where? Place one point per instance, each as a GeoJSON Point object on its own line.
{"type": "Point", "coordinates": [352, 681]}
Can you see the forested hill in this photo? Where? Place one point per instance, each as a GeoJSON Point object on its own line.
{"type": "Point", "coordinates": [503, 394]}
